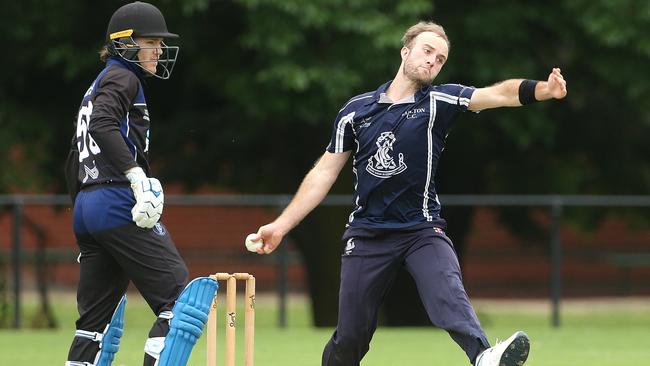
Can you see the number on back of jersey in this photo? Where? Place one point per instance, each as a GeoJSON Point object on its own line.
{"type": "Point", "coordinates": [85, 142]}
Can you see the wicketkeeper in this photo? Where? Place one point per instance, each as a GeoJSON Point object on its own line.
{"type": "Point", "coordinates": [117, 205]}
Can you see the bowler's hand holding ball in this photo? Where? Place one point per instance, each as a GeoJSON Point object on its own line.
{"type": "Point", "coordinates": [253, 242]}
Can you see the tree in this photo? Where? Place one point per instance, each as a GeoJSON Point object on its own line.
{"type": "Point", "coordinates": [269, 75]}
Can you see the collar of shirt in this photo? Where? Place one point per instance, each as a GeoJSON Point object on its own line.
{"type": "Point", "coordinates": [129, 65]}
{"type": "Point", "coordinates": [384, 98]}
{"type": "Point", "coordinates": [380, 96]}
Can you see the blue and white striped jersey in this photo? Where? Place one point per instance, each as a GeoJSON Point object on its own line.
{"type": "Point", "coordinates": [397, 146]}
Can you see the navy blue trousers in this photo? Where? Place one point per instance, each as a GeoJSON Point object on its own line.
{"type": "Point", "coordinates": [368, 268]}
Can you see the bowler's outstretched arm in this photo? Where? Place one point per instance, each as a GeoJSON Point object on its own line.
{"type": "Point", "coordinates": [508, 93]}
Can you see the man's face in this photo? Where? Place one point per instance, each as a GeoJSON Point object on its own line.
{"type": "Point", "coordinates": [424, 58]}
{"type": "Point", "coordinates": [150, 51]}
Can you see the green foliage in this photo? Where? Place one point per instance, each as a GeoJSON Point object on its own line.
{"type": "Point", "coordinates": [256, 76]}
{"type": "Point", "coordinates": [589, 143]}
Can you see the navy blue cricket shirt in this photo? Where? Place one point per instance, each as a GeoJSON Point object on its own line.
{"type": "Point", "coordinates": [397, 146]}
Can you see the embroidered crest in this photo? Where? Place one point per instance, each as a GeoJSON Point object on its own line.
{"type": "Point", "coordinates": [382, 164]}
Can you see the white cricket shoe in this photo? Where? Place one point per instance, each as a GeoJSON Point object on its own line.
{"type": "Point", "coordinates": [511, 352]}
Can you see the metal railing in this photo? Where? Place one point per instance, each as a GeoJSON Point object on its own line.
{"type": "Point", "coordinates": [554, 203]}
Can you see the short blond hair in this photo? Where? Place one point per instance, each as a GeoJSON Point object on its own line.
{"type": "Point", "coordinates": [104, 54]}
{"type": "Point", "coordinates": [422, 27]}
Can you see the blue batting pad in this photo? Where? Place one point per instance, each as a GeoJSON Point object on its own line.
{"type": "Point", "coordinates": [110, 343]}
{"type": "Point", "coordinates": [190, 313]}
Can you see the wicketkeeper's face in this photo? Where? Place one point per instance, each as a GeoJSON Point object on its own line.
{"type": "Point", "coordinates": [424, 57]}
{"type": "Point", "coordinates": [150, 51]}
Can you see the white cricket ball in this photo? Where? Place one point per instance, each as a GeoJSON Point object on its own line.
{"type": "Point", "coordinates": [251, 245]}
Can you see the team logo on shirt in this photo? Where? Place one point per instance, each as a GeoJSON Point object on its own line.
{"type": "Point", "coordinates": [382, 164]}
{"type": "Point", "coordinates": [92, 173]}
{"type": "Point", "coordinates": [365, 122]}
{"type": "Point", "coordinates": [348, 247]}
{"type": "Point", "coordinates": [159, 229]}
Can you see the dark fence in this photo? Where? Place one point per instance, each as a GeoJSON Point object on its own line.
{"type": "Point", "coordinates": [554, 204]}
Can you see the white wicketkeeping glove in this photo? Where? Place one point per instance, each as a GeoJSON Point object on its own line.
{"type": "Point", "coordinates": [149, 198]}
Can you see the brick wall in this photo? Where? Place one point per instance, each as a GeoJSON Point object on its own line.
{"type": "Point", "coordinates": [496, 263]}
{"type": "Point", "coordinates": [598, 263]}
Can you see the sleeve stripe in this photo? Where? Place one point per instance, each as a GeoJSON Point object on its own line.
{"type": "Point", "coordinates": [340, 131]}
{"type": "Point", "coordinates": [451, 99]}
{"type": "Point", "coordinates": [362, 96]}
{"type": "Point", "coordinates": [128, 129]}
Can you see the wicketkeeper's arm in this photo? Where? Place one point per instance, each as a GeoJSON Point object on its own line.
{"type": "Point", "coordinates": [112, 102]}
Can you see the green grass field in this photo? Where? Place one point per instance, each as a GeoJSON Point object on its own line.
{"type": "Point", "coordinates": [605, 333]}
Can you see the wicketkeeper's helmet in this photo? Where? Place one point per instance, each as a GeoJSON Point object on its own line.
{"type": "Point", "coordinates": [140, 19]}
